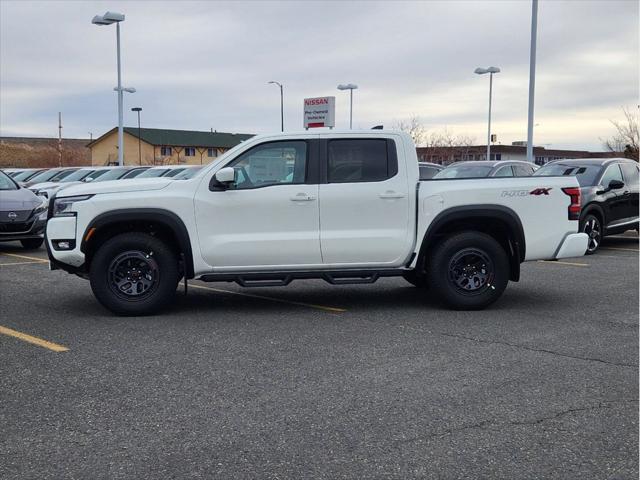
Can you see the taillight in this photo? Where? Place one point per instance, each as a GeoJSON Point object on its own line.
{"type": "Point", "coordinates": [574, 206]}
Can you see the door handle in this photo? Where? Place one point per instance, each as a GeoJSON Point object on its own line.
{"type": "Point", "coordinates": [391, 194]}
{"type": "Point", "coordinates": [302, 197]}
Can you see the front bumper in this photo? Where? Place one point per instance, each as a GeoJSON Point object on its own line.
{"type": "Point", "coordinates": [573, 245]}
{"type": "Point", "coordinates": [30, 229]}
{"type": "Point", "coordinates": [64, 229]}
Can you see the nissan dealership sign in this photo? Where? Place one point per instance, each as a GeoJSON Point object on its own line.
{"type": "Point", "coordinates": [319, 112]}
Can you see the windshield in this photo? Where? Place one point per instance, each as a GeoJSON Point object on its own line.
{"type": "Point", "coordinates": [464, 171]}
{"type": "Point", "coordinates": [586, 174]}
{"type": "Point", "coordinates": [6, 183]}
{"type": "Point", "coordinates": [105, 175]}
{"type": "Point", "coordinates": [174, 171]}
{"type": "Point", "coordinates": [46, 176]}
{"type": "Point", "coordinates": [24, 176]}
{"type": "Point", "coordinates": [75, 176]}
{"type": "Point", "coordinates": [153, 172]}
{"type": "Point", "coordinates": [135, 173]}
{"type": "Point", "coordinates": [187, 173]}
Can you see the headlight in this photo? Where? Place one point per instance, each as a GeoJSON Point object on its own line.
{"type": "Point", "coordinates": [42, 207]}
{"type": "Point", "coordinates": [63, 207]}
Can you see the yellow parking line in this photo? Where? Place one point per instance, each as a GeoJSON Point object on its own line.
{"type": "Point", "coordinates": [573, 264]}
{"type": "Point", "coordinates": [273, 299]}
{"type": "Point", "coordinates": [21, 263]}
{"type": "Point", "coordinates": [621, 249]}
{"type": "Point", "coordinates": [24, 256]}
{"type": "Point", "coordinates": [34, 340]}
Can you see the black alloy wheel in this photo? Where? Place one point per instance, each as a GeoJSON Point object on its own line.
{"type": "Point", "coordinates": [592, 227]}
{"type": "Point", "coordinates": [471, 271]}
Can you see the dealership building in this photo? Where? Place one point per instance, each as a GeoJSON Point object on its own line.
{"type": "Point", "coordinates": [157, 146]}
{"type": "Point", "coordinates": [515, 151]}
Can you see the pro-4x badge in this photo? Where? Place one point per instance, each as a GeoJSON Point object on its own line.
{"type": "Point", "coordinates": [540, 191]}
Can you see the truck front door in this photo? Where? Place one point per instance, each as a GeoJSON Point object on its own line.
{"type": "Point", "coordinates": [269, 216]}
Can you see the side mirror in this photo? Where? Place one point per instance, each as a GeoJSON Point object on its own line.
{"type": "Point", "coordinates": [615, 185]}
{"type": "Point", "coordinates": [222, 179]}
{"type": "Point", "coordinates": [226, 175]}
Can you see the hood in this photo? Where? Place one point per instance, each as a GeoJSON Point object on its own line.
{"type": "Point", "coordinates": [115, 186]}
{"type": "Point", "coordinates": [21, 199]}
{"type": "Point", "coordinates": [43, 185]}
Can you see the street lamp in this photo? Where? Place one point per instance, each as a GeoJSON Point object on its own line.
{"type": "Point", "coordinates": [351, 87]}
{"type": "Point", "coordinates": [490, 71]}
{"type": "Point", "coordinates": [281, 104]}
{"type": "Point", "coordinates": [107, 19]}
{"type": "Point", "coordinates": [138, 109]}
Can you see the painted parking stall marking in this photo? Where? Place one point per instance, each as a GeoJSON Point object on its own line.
{"type": "Point", "coordinates": [272, 299]}
{"type": "Point", "coordinates": [33, 340]}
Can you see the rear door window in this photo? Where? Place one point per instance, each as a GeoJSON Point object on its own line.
{"type": "Point", "coordinates": [361, 160]}
{"type": "Point", "coordinates": [522, 170]}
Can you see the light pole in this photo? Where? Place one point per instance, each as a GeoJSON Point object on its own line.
{"type": "Point", "coordinates": [107, 19]}
{"type": "Point", "coordinates": [138, 109]}
{"type": "Point", "coordinates": [490, 71]}
{"type": "Point", "coordinates": [532, 77]}
{"type": "Point", "coordinates": [281, 104]}
{"type": "Point", "coordinates": [351, 87]}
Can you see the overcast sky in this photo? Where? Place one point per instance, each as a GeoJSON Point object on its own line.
{"type": "Point", "coordinates": [202, 65]}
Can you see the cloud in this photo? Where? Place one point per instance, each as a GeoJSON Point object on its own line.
{"type": "Point", "coordinates": [201, 65]}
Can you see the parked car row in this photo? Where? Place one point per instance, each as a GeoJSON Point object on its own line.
{"type": "Point", "coordinates": [25, 193]}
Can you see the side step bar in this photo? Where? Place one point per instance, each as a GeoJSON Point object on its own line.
{"type": "Point", "coordinates": [280, 279]}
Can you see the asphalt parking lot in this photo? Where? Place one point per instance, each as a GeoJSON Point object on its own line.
{"type": "Point", "coordinates": [319, 381]}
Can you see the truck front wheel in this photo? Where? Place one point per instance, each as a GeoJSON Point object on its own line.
{"type": "Point", "coordinates": [134, 274]}
{"type": "Point", "coordinates": [468, 270]}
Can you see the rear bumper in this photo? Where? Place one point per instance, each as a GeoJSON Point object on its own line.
{"type": "Point", "coordinates": [574, 245]}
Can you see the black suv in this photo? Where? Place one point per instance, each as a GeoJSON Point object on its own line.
{"type": "Point", "coordinates": [609, 189]}
{"type": "Point", "coordinates": [23, 214]}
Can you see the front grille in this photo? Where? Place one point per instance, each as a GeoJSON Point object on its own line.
{"type": "Point", "coordinates": [16, 216]}
{"type": "Point", "coordinates": [15, 227]}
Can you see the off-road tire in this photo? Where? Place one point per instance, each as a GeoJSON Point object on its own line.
{"type": "Point", "coordinates": [161, 265]}
{"type": "Point", "coordinates": [451, 257]}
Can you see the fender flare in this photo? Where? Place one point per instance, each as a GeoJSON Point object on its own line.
{"type": "Point", "coordinates": [152, 215]}
{"type": "Point", "coordinates": [591, 207]}
{"type": "Point", "coordinates": [490, 211]}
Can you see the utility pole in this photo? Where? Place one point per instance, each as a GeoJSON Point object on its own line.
{"type": "Point", "coordinates": [532, 77]}
{"type": "Point", "coordinates": [59, 139]}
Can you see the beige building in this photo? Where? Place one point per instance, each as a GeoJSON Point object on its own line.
{"type": "Point", "coordinates": [162, 147]}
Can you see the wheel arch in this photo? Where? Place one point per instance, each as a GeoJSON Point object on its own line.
{"type": "Point", "coordinates": [155, 221]}
{"type": "Point", "coordinates": [500, 222]}
{"type": "Point", "coordinates": [593, 208]}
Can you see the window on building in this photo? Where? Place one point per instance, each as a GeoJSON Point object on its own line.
{"type": "Point", "coordinates": [361, 160]}
{"type": "Point", "coordinates": [212, 152]}
{"type": "Point", "coordinates": [269, 164]}
{"type": "Point", "coordinates": [496, 156]}
{"type": "Point", "coordinates": [189, 152]}
{"type": "Point", "coordinates": [166, 151]}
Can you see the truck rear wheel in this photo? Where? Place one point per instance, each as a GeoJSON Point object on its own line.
{"type": "Point", "coordinates": [468, 271]}
{"type": "Point", "coordinates": [134, 274]}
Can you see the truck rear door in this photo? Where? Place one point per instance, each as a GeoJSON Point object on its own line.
{"type": "Point", "coordinates": [366, 203]}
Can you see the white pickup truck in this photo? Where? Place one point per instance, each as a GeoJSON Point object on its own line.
{"type": "Point", "coordinates": [346, 207]}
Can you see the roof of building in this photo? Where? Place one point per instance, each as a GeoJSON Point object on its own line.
{"type": "Point", "coordinates": [182, 138]}
{"type": "Point", "coordinates": [520, 149]}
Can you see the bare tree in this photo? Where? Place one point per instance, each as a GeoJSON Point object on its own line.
{"type": "Point", "coordinates": [414, 128]}
{"type": "Point", "coordinates": [626, 138]}
{"type": "Point", "coordinates": [443, 146]}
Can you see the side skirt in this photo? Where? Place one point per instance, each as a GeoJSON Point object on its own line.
{"type": "Point", "coordinates": [279, 279]}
